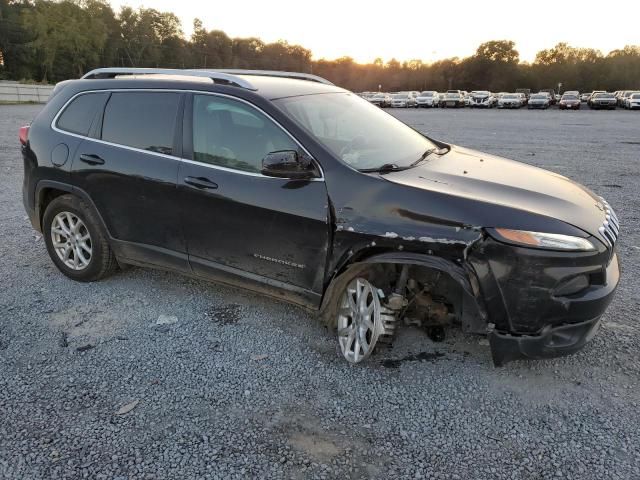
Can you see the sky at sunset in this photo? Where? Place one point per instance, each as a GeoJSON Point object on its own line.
{"type": "Point", "coordinates": [410, 29]}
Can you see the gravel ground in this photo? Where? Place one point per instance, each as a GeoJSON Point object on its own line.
{"type": "Point", "coordinates": [152, 375]}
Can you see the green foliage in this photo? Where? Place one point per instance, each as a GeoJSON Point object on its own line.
{"type": "Point", "coordinates": [45, 40]}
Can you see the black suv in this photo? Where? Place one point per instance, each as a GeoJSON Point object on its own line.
{"type": "Point", "coordinates": [287, 185]}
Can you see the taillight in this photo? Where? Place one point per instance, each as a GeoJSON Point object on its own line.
{"type": "Point", "coordinates": [24, 134]}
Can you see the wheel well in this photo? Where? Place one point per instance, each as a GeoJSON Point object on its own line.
{"type": "Point", "coordinates": [46, 196]}
{"type": "Point", "coordinates": [385, 275]}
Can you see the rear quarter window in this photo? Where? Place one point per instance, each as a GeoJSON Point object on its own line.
{"type": "Point", "coordinates": [144, 120]}
{"type": "Point", "coordinates": [79, 114]}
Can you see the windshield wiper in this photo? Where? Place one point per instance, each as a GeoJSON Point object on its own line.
{"type": "Point", "coordinates": [392, 167]}
{"type": "Point", "coordinates": [423, 157]}
{"type": "Point", "coordinates": [384, 168]}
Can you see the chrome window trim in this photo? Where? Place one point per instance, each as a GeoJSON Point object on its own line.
{"type": "Point", "coordinates": [54, 126]}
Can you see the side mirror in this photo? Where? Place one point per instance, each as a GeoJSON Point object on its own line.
{"type": "Point", "coordinates": [288, 164]}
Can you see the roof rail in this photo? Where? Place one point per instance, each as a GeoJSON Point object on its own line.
{"type": "Point", "coordinates": [216, 76]}
{"type": "Point", "coordinates": [228, 76]}
{"type": "Point", "coordinates": [275, 73]}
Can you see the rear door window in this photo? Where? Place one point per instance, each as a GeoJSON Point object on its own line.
{"type": "Point", "coordinates": [144, 120]}
{"type": "Point", "coordinates": [79, 114]}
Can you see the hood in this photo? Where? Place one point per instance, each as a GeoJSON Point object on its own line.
{"type": "Point", "coordinates": [498, 181]}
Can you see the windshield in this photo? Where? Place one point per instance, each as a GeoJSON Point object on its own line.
{"type": "Point", "coordinates": [635, 95]}
{"type": "Point", "coordinates": [453, 95]}
{"type": "Point", "coordinates": [356, 132]}
{"type": "Point", "coordinates": [569, 97]}
{"type": "Point", "coordinates": [538, 97]}
{"type": "Point", "coordinates": [400, 96]}
{"type": "Point", "coordinates": [604, 95]}
{"type": "Point", "coordinates": [379, 95]}
{"type": "Point", "coordinates": [426, 94]}
{"type": "Point", "coordinates": [510, 96]}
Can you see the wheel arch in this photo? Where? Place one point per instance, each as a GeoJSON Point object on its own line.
{"type": "Point", "coordinates": [474, 316]}
{"type": "Point", "coordinates": [49, 190]}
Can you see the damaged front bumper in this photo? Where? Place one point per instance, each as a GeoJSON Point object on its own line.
{"type": "Point", "coordinates": [535, 305]}
{"type": "Point", "coordinates": [551, 342]}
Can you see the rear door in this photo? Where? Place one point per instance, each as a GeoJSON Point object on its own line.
{"type": "Point", "coordinates": [129, 167]}
{"type": "Point", "coordinates": [270, 230]}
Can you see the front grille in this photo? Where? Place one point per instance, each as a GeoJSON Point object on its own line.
{"type": "Point", "coordinates": [610, 229]}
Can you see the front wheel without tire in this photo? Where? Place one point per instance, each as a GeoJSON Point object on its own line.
{"type": "Point", "coordinates": [75, 240]}
{"type": "Point", "coordinates": [362, 320]}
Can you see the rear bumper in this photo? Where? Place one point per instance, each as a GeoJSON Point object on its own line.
{"type": "Point", "coordinates": [29, 207]}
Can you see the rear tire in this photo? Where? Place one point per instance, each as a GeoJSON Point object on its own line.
{"type": "Point", "coordinates": [76, 241]}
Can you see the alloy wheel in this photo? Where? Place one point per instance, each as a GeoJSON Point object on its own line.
{"type": "Point", "coordinates": [361, 320]}
{"type": "Point", "coordinates": [71, 240]}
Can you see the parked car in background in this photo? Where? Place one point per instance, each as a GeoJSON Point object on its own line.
{"type": "Point", "coordinates": [592, 95]}
{"type": "Point", "coordinates": [381, 99]}
{"type": "Point", "coordinates": [539, 100]}
{"type": "Point", "coordinates": [552, 95]}
{"type": "Point", "coordinates": [569, 101]}
{"type": "Point", "coordinates": [624, 95]}
{"type": "Point", "coordinates": [177, 171]}
{"type": "Point", "coordinates": [482, 99]}
{"type": "Point", "coordinates": [584, 97]}
{"type": "Point", "coordinates": [441, 97]}
{"type": "Point", "coordinates": [510, 100]}
{"type": "Point", "coordinates": [604, 100]}
{"type": "Point", "coordinates": [618, 94]}
{"type": "Point", "coordinates": [570, 92]}
{"type": "Point", "coordinates": [428, 98]}
{"type": "Point", "coordinates": [453, 100]}
{"type": "Point", "coordinates": [403, 100]}
{"type": "Point", "coordinates": [467, 98]}
{"type": "Point", "coordinates": [526, 92]}
{"type": "Point", "coordinates": [632, 102]}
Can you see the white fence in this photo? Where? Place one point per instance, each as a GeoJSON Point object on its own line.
{"type": "Point", "coordinates": [17, 92]}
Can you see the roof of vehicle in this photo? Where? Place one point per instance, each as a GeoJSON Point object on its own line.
{"type": "Point", "coordinates": [268, 84]}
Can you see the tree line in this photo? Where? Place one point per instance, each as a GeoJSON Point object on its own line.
{"type": "Point", "coordinates": [49, 41]}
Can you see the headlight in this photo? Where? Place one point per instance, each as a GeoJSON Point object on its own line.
{"type": "Point", "coordinates": [551, 241]}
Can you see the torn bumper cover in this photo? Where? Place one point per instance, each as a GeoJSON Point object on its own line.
{"type": "Point", "coordinates": [560, 338]}
{"type": "Point", "coordinates": [551, 342]}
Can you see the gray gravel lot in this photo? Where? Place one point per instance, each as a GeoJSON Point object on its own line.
{"type": "Point", "coordinates": [232, 385]}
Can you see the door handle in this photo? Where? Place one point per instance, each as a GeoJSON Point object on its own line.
{"type": "Point", "coordinates": [200, 182]}
{"type": "Point", "coordinates": [91, 159]}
